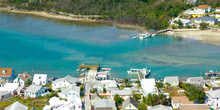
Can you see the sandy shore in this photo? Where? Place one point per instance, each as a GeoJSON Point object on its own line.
{"type": "Point", "coordinates": [204, 36]}
{"type": "Point", "coordinates": [71, 17]}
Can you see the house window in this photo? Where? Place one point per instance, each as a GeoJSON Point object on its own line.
{"type": "Point", "coordinates": [39, 77]}
{"type": "Point", "coordinates": [129, 106]}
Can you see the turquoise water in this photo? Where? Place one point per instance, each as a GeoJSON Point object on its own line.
{"type": "Point", "coordinates": [56, 48]}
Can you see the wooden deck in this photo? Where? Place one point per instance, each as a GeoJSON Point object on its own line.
{"type": "Point", "coordinates": [91, 67]}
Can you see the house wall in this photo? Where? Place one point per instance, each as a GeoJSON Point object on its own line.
{"type": "Point", "coordinates": [69, 94]}
{"type": "Point", "coordinates": [5, 96]}
{"type": "Point", "coordinates": [34, 95]}
{"type": "Point", "coordinates": [130, 107]}
{"type": "Point", "coordinates": [175, 105]}
{"type": "Point", "coordinates": [209, 22]}
{"type": "Point", "coordinates": [63, 84]}
{"type": "Point", "coordinates": [213, 102]}
{"type": "Point", "coordinates": [20, 81]}
{"type": "Point", "coordinates": [217, 10]}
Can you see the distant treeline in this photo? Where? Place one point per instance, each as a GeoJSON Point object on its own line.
{"type": "Point", "coordinates": [152, 14]}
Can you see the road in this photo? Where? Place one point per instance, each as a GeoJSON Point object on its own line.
{"type": "Point", "coordinates": [88, 84]}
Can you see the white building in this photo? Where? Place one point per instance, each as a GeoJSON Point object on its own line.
{"type": "Point", "coordinates": [103, 75]}
{"type": "Point", "coordinates": [196, 80]}
{"type": "Point", "coordinates": [209, 20]}
{"type": "Point", "coordinates": [186, 22]}
{"type": "Point", "coordinates": [148, 86]}
{"type": "Point", "coordinates": [40, 79]}
{"type": "Point", "coordinates": [109, 83]}
{"type": "Point", "coordinates": [130, 104]}
{"type": "Point", "coordinates": [172, 80]}
{"type": "Point", "coordinates": [176, 102]}
{"type": "Point", "coordinates": [122, 93]}
{"type": "Point", "coordinates": [105, 104]}
{"type": "Point", "coordinates": [70, 92]}
{"type": "Point", "coordinates": [16, 106]}
{"type": "Point", "coordinates": [57, 104]}
{"type": "Point", "coordinates": [22, 78]}
{"type": "Point", "coordinates": [67, 81]}
{"type": "Point", "coordinates": [217, 9]}
{"type": "Point", "coordinates": [203, 8]}
{"type": "Point", "coordinates": [213, 98]}
{"type": "Point", "coordinates": [11, 87]}
{"type": "Point", "coordinates": [34, 91]}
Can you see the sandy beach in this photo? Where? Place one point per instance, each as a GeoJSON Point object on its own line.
{"type": "Point", "coordinates": [204, 36]}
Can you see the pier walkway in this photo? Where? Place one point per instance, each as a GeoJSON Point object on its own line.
{"type": "Point", "coordinates": [90, 67]}
{"type": "Point", "coordinates": [162, 31]}
{"type": "Point", "coordinates": [141, 75]}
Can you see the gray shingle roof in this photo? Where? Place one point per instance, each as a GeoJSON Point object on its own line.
{"type": "Point", "coordinates": [16, 106]}
{"type": "Point", "coordinates": [4, 93]}
{"type": "Point", "coordinates": [196, 80]}
{"type": "Point", "coordinates": [128, 101]}
{"type": "Point", "coordinates": [214, 94]}
{"type": "Point", "coordinates": [206, 18]}
{"type": "Point", "coordinates": [33, 88]}
{"type": "Point", "coordinates": [160, 107]}
{"type": "Point", "coordinates": [171, 79]}
{"type": "Point", "coordinates": [68, 89]}
{"type": "Point", "coordinates": [68, 78]}
{"type": "Point", "coordinates": [95, 95]}
{"type": "Point", "coordinates": [105, 103]}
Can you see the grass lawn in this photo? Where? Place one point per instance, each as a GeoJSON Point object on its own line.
{"type": "Point", "coordinates": [38, 103]}
{"type": "Point", "coordinates": [173, 91]}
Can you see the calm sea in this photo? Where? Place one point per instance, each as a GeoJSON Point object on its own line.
{"type": "Point", "coordinates": [56, 47]}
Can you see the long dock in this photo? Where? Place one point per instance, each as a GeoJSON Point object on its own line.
{"type": "Point", "coordinates": [141, 75]}
{"type": "Point", "coordinates": [162, 31]}
{"type": "Point", "coordinates": [91, 67]}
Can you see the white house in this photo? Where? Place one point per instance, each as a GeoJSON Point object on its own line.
{"type": "Point", "coordinates": [16, 106]}
{"type": "Point", "coordinates": [217, 9]}
{"type": "Point", "coordinates": [102, 75]}
{"type": "Point", "coordinates": [4, 94]}
{"type": "Point", "coordinates": [57, 104]}
{"type": "Point", "coordinates": [34, 91]}
{"type": "Point", "coordinates": [70, 92]}
{"type": "Point", "coordinates": [98, 85]}
{"type": "Point", "coordinates": [213, 98]}
{"type": "Point", "coordinates": [11, 87]}
{"type": "Point", "coordinates": [130, 104]}
{"type": "Point", "coordinates": [196, 80]}
{"type": "Point", "coordinates": [109, 83]}
{"type": "Point", "coordinates": [148, 86]}
{"type": "Point", "coordinates": [186, 22]}
{"type": "Point", "coordinates": [22, 78]}
{"type": "Point", "coordinates": [67, 81]}
{"type": "Point", "coordinates": [209, 20]}
{"type": "Point", "coordinates": [7, 74]}
{"type": "Point", "coordinates": [172, 80]}
{"type": "Point", "coordinates": [40, 79]}
{"type": "Point", "coordinates": [203, 8]}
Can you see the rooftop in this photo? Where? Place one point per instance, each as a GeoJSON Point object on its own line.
{"type": "Point", "coordinates": [5, 72]}
{"type": "Point", "coordinates": [105, 103]}
{"type": "Point", "coordinates": [24, 76]}
{"type": "Point", "coordinates": [160, 107]}
{"type": "Point", "coordinates": [33, 88]}
{"type": "Point", "coordinates": [171, 79]}
{"type": "Point", "coordinates": [128, 101]}
{"type": "Point", "coordinates": [194, 107]}
{"type": "Point", "coordinates": [203, 7]}
{"type": "Point", "coordinates": [121, 92]}
{"type": "Point", "coordinates": [68, 89]}
{"type": "Point", "coordinates": [181, 99]}
{"type": "Point", "coordinates": [68, 78]}
{"type": "Point", "coordinates": [16, 106]}
{"type": "Point", "coordinates": [206, 18]}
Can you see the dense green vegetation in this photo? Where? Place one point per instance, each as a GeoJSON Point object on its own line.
{"type": "Point", "coordinates": [154, 99]}
{"type": "Point", "coordinates": [194, 92]}
{"type": "Point", "coordinates": [147, 13]}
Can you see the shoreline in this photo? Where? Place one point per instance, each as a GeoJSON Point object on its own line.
{"type": "Point", "coordinates": [71, 17]}
{"type": "Point", "coordinates": [203, 36]}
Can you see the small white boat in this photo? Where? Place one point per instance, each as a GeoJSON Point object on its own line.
{"type": "Point", "coordinates": [171, 31]}
{"type": "Point", "coordinates": [78, 70]}
{"type": "Point", "coordinates": [153, 35]}
{"type": "Point", "coordinates": [83, 70]}
{"type": "Point", "coordinates": [106, 69]}
{"type": "Point", "coordinates": [134, 37]}
{"type": "Point", "coordinates": [143, 36]}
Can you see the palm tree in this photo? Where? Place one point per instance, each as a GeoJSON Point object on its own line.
{"type": "Point", "coordinates": [167, 85]}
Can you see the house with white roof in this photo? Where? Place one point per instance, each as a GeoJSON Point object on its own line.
{"type": "Point", "coordinates": [159, 107]}
{"type": "Point", "coordinates": [148, 86]}
{"type": "Point", "coordinates": [70, 92]}
{"type": "Point", "coordinates": [70, 104]}
{"type": "Point", "coordinates": [213, 98]}
{"type": "Point", "coordinates": [22, 78]}
{"type": "Point", "coordinates": [98, 85]}
{"type": "Point", "coordinates": [60, 83]}
{"type": "Point", "coordinates": [210, 20]}
{"type": "Point", "coordinates": [4, 94]}
{"type": "Point", "coordinates": [172, 80]}
{"type": "Point", "coordinates": [40, 79]}
{"type": "Point", "coordinates": [109, 83]}
{"type": "Point", "coordinates": [11, 87]}
{"type": "Point", "coordinates": [102, 75]}
{"type": "Point", "coordinates": [186, 22]}
{"type": "Point", "coordinates": [34, 91]}
{"type": "Point", "coordinates": [16, 106]}
{"type": "Point", "coordinates": [196, 80]}
{"type": "Point", "coordinates": [105, 104]}
{"type": "Point", "coordinates": [122, 93]}
{"type": "Point", "coordinates": [7, 74]}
